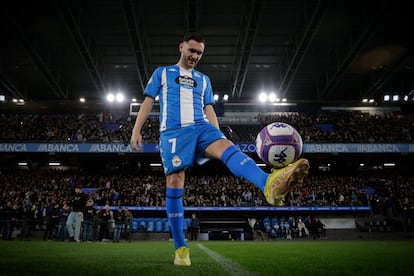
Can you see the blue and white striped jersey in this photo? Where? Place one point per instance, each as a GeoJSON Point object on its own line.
{"type": "Point", "coordinates": [183, 94]}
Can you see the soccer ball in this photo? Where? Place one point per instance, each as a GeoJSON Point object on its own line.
{"type": "Point", "coordinates": [279, 144]}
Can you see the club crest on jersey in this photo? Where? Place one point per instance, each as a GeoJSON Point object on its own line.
{"type": "Point", "coordinates": [186, 81]}
{"type": "Point", "coordinates": [176, 161]}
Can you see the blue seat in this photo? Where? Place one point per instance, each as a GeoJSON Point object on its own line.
{"type": "Point", "coordinates": [142, 225]}
{"type": "Point", "coordinates": [150, 225]}
{"type": "Point", "coordinates": [166, 225]}
{"type": "Point", "coordinates": [134, 225]}
{"type": "Point", "coordinates": [158, 225]}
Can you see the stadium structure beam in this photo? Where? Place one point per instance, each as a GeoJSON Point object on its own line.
{"type": "Point", "coordinates": [137, 38]}
{"type": "Point", "coordinates": [31, 45]}
{"type": "Point", "coordinates": [82, 38]}
{"type": "Point", "coordinates": [192, 15]}
{"type": "Point", "coordinates": [250, 23]}
{"type": "Point", "coordinates": [312, 18]}
{"type": "Point", "coordinates": [377, 83]}
{"type": "Point", "coordinates": [9, 86]}
{"type": "Point", "coordinates": [329, 81]}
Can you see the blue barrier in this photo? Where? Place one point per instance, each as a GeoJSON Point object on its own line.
{"type": "Point", "coordinates": [244, 147]}
{"type": "Point", "coordinates": [251, 209]}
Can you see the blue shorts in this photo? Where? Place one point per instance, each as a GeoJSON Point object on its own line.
{"type": "Point", "coordinates": [179, 148]}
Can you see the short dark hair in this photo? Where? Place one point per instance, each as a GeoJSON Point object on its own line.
{"type": "Point", "coordinates": [194, 36]}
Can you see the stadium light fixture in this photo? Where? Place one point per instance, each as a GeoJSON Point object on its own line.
{"type": "Point", "coordinates": [155, 164]}
{"type": "Point", "coordinates": [395, 98]}
{"type": "Point", "coordinates": [262, 97]}
{"type": "Point", "coordinates": [2, 98]}
{"type": "Point", "coordinates": [22, 164]}
{"type": "Point", "coordinates": [110, 97]}
{"type": "Point", "coordinates": [120, 97]}
{"type": "Point", "coordinates": [272, 97]}
{"type": "Point", "coordinates": [82, 100]}
{"type": "Point", "coordinates": [386, 98]}
{"type": "Point", "coordinates": [54, 163]}
{"type": "Point", "coordinates": [216, 97]}
{"type": "Point", "coordinates": [225, 97]}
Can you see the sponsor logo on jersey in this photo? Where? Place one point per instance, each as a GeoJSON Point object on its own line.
{"type": "Point", "coordinates": [186, 81]}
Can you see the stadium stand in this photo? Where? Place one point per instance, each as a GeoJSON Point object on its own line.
{"type": "Point", "coordinates": [388, 195]}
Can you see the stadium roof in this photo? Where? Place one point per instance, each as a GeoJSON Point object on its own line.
{"type": "Point", "coordinates": [305, 51]}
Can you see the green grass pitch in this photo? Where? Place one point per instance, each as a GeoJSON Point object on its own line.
{"type": "Point", "coordinates": [209, 258]}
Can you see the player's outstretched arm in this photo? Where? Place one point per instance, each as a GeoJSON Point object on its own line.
{"type": "Point", "coordinates": [144, 111]}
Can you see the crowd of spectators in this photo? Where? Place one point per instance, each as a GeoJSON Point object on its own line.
{"type": "Point", "coordinates": [40, 189]}
{"type": "Point", "coordinates": [288, 228]}
{"type": "Point", "coordinates": [331, 127]}
{"type": "Point", "coordinates": [390, 196]}
{"type": "Point", "coordinates": [348, 127]}
{"type": "Point", "coordinates": [74, 128]}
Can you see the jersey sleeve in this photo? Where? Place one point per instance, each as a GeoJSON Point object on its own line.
{"type": "Point", "coordinates": [154, 84]}
{"type": "Point", "coordinates": [208, 92]}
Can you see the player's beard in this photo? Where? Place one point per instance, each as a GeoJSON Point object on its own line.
{"type": "Point", "coordinates": [192, 62]}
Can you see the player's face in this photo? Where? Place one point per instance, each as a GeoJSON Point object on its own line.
{"type": "Point", "coordinates": [191, 53]}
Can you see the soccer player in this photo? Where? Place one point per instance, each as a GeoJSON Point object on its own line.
{"type": "Point", "coordinates": [189, 133]}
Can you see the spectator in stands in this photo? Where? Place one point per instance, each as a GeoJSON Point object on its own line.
{"type": "Point", "coordinates": [258, 230]}
{"type": "Point", "coordinates": [194, 227]}
{"type": "Point", "coordinates": [14, 218]}
{"type": "Point", "coordinates": [105, 216]}
{"type": "Point", "coordinates": [96, 225]}
{"type": "Point", "coordinates": [88, 214]}
{"type": "Point", "coordinates": [190, 133]}
{"type": "Point", "coordinates": [4, 208]}
{"type": "Point", "coordinates": [119, 219]}
{"type": "Point", "coordinates": [302, 228]}
{"type": "Point", "coordinates": [252, 222]}
{"type": "Point", "coordinates": [318, 228]}
{"type": "Point", "coordinates": [275, 231]}
{"type": "Point", "coordinates": [64, 213]}
{"type": "Point", "coordinates": [74, 221]}
{"type": "Point", "coordinates": [52, 219]}
{"type": "Point", "coordinates": [308, 224]}
{"type": "Point", "coordinates": [127, 222]}
{"type": "Point", "coordinates": [29, 222]}
{"type": "Point", "coordinates": [288, 230]}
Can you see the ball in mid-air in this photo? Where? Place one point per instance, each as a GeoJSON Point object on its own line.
{"type": "Point", "coordinates": [279, 144]}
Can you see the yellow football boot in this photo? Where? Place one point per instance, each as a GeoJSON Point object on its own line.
{"type": "Point", "coordinates": [281, 181]}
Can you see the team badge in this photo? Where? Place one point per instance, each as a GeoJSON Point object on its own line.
{"type": "Point", "coordinates": [176, 161]}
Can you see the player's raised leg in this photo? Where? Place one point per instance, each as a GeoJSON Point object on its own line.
{"type": "Point", "coordinates": [281, 181]}
{"type": "Point", "coordinates": [274, 185]}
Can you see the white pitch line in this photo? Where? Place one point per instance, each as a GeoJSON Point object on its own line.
{"type": "Point", "coordinates": [227, 264]}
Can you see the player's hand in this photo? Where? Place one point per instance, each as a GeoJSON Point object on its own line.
{"type": "Point", "coordinates": [136, 141]}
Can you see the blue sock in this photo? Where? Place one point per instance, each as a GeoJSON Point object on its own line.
{"type": "Point", "coordinates": [242, 165]}
{"type": "Point", "coordinates": [175, 213]}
